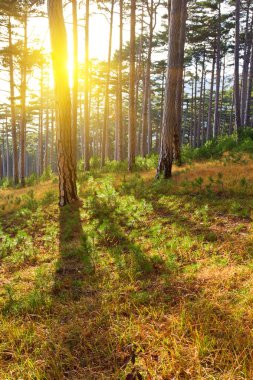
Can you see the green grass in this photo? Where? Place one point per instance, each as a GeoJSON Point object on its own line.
{"type": "Point", "coordinates": [141, 279]}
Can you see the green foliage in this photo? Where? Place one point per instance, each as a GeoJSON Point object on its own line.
{"type": "Point", "coordinates": [49, 198]}
{"type": "Point", "coordinates": [115, 166]}
{"type": "Point", "coordinates": [214, 149]}
{"type": "Point", "coordinates": [29, 201]}
{"type": "Point", "coordinates": [146, 163]}
{"type": "Point", "coordinates": [32, 180]}
{"type": "Point", "coordinates": [47, 174]}
{"type": "Point", "coordinates": [18, 248]}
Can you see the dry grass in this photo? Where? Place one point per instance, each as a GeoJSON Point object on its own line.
{"type": "Point", "coordinates": [154, 280]}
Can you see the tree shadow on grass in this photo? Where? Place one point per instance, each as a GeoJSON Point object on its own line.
{"type": "Point", "coordinates": [75, 255]}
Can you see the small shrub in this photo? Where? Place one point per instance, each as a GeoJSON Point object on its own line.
{"type": "Point", "coordinates": [49, 198]}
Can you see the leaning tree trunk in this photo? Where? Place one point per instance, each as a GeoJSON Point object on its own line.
{"type": "Point", "coordinates": [170, 114]}
{"type": "Point", "coordinates": [132, 116]}
{"type": "Point", "coordinates": [66, 162]}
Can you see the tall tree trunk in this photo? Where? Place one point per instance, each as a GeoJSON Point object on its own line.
{"type": "Point", "coordinates": [237, 63]}
{"type": "Point", "coordinates": [7, 148]}
{"type": "Point", "coordinates": [195, 105]}
{"type": "Point", "coordinates": [249, 92]}
{"type": "Point", "coordinates": [209, 134]}
{"type": "Point", "coordinates": [132, 116]}
{"type": "Point", "coordinates": [23, 89]}
{"type": "Point", "coordinates": [120, 107]}
{"type": "Point", "coordinates": [105, 136]}
{"type": "Point", "coordinates": [46, 139]}
{"type": "Point", "coordinates": [146, 124]}
{"type": "Point", "coordinates": [180, 86]}
{"type": "Point", "coordinates": [41, 124]}
{"type": "Point", "coordinates": [246, 61]}
{"type": "Point", "coordinates": [138, 78]}
{"type": "Point", "coordinates": [1, 164]}
{"type": "Point", "coordinates": [75, 80]}
{"type": "Point", "coordinates": [66, 163]}
{"type": "Point", "coordinates": [86, 93]}
{"type": "Point", "coordinates": [170, 114]}
{"type": "Point", "coordinates": [218, 77]}
{"type": "Point", "coordinates": [203, 111]}
{"type": "Point", "coordinates": [13, 111]}
{"type": "Point", "coordinates": [52, 141]}
{"type": "Point", "coordinates": [201, 99]}
{"type": "Point", "coordinates": [222, 93]}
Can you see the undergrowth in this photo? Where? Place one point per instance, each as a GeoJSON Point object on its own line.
{"type": "Point", "coordinates": [140, 279]}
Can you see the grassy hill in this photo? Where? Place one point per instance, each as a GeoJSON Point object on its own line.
{"type": "Point", "coordinates": [142, 279]}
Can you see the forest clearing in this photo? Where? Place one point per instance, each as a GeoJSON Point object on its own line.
{"type": "Point", "coordinates": [126, 189]}
{"type": "Point", "coordinates": [141, 276]}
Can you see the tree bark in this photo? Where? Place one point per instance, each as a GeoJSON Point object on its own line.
{"type": "Point", "coordinates": [249, 92]}
{"type": "Point", "coordinates": [120, 107]}
{"type": "Point", "coordinates": [105, 147]}
{"type": "Point", "coordinates": [237, 63]}
{"type": "Point", "coordinates": [66, 163]}
{"type": "Point", "coordinates": [209, 133]}
{"type": "Point", "coordinates": [218, 77]}
{"type": "Point", "coordinates": [180, 86]}
{"type": "Point", "coordinates": [132, 108]}
{"type": "Point", "coordinates": [23, 89]}
{"type": "Point", "coordinates": [75, 80]}
{"type": "Point", "coordinates": [13, 111]}
{"type": "Point", "coordinates": [86, 93]}
{"type": "Point", "coordinates": [170, 115]}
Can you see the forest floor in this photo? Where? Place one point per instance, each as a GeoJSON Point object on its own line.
{"type": "Point", "coordinates": [141, 279]}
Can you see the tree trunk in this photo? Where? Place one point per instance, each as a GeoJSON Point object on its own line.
{"type": "Point", "coordinates": [249, 92]}
{"type": "Point", "coordinates": [13, 111]}
{"type": "Point", "coordinates": [75, 80]}
{"type": "Point", "coordinates": [120, 108]}
{"type": "Point", "coordinates": [195, 105]}
{"type": "Point", "coordinates": [132, 116]}
{"type": "Point", "coordinates": [23, 89]}
{"type": "Point", "coordinates": [209, 134]}
{"type": "Point", "coordinates": [246, 61]}
{"type": "Point", "coordinates": [201, 100]}
{"type": "Point", "coordinates": [66, 163]}
{"type": "Point", "coordinates": [41, 113]}
{"type": "Point", "coordinates": [146, 124]}
{"type": "Point", "coordinates": [46, 139]}
{"type": "Point", "coordinates": [52, 157]}
{"type": "Point", "coordinates": [237, 63]}
{"type": "Point", "coordinates": [86, 93]}
{"type": "Point", "coordinates": [180, 85]}
{"type": "Point", "coordinates": [218, 77]}
{"type": "Point", "coordinates": [170, 114]}
{"type": "Point", "coordinates": [105, 147]}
